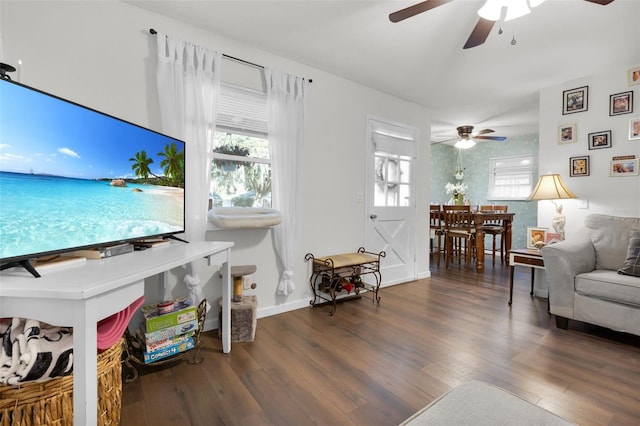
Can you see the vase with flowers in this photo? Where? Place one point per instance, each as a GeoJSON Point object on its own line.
{"type": "Point", "coordinates": [457, 191]}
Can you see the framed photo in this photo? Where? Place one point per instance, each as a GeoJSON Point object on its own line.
{"type": "Point", "coordinates": [536, 237]}
{"type": "Point", "coordinates": [553, 238]}
{"type": "Point", "coordinates": [599, 140]}
{"type": "Point", "coordinates": [621, 103]}
{"type": "Point", "coordinates": [634, 128]}
{"type": "Point", "coordinates": [633, 76]}
{"type": "Point", "coordinates": [579, 166]}
{"type": "Point", "coordinates": [575, 100]}
{"type": "Point", "coordinates": [567, 133]}
{"type": "Point", "coordinates": [627, 167]}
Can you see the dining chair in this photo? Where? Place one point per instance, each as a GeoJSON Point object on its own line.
{"type": "Point", "coordinates": [436, 231]}
{"type": "Point", "coordinates": [459, 233]}
{"type": "Point", "coordinates": [495, 228]}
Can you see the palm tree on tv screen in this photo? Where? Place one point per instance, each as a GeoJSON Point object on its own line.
{"type": "Point", "coordinates": [173, 164]}
{"type": "Point", "coordinates": [141, 164]}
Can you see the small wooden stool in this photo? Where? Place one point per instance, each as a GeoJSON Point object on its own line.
{"type": "Point", "coordinates": [237, 273]}
{"type": "Point", "coordinates": [243, 319]}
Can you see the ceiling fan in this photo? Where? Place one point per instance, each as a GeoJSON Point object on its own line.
{"type": "Point", "coordinates": [466, 137]}
{"type": "Point", "coordinates": [492, 9]}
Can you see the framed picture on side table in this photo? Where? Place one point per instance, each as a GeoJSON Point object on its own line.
{"type": "Point", "coordinates": [536, 237]}
{"type": "Point", "coordinates": [553, 238]}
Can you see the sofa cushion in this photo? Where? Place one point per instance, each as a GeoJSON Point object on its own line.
{"type": "Point", "coordinates": [632, 263]}
{"type": "Point", "coordinates": [610, 237]}
{"type": "Point", "coordinates": [609, 285]}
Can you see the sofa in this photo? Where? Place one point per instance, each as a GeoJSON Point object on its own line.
{"type": "Point", "coordinates": [594, 277]}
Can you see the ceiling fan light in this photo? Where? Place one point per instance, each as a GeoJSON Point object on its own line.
{"type": "Point", "coordinates": [491, 10]}
{"type": "Point", "coordinates": [465, 143]}
{"type": "Point", "coordinates": [516, 9]}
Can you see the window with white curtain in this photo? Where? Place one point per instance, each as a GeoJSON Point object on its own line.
{"type": "Point", "coordinates": [241, 167]}
{"type": "Point", "coordinates": [510, 178]}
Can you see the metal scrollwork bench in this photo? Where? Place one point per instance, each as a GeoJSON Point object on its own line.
{"type": "Point", "coordinates": [335, 275]}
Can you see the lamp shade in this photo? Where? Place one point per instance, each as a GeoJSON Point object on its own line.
{"type": "Point", "coordinates": [551, 187]}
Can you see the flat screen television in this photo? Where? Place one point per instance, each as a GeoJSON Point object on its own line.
{"type": "Point", "coordinates": [73, 178]}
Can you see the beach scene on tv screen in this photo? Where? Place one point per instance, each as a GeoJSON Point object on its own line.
{"type": "Point", "coordinates": [72, 177]}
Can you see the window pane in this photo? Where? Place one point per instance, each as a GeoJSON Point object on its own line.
{"type": "Point", "coordinates": [240, 171]}
{"type": "Point", "coordinates": [510, 178]}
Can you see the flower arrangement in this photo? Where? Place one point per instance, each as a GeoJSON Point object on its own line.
{"type": "Point", "coordinates": [456, 189]}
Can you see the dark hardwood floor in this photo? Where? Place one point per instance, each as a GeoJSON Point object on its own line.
{"type": "Point", "coordinates": [377, 364]}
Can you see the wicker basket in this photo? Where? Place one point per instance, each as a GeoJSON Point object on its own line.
{"type": "Point", "coordinates": [51, 402]}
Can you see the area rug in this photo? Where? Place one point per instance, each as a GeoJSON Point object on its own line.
{"type": "Point", "coordinates": [477, 403]}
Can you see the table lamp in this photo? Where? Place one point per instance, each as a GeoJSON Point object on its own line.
{"type": "Point", "coordinates": [551, 187]}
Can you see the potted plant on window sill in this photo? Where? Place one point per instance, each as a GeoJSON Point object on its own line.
{"type": "Point", "coordinates": [230, 165]}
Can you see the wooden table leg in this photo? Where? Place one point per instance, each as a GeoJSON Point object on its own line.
{"type": "Point", "coordinates": [479, 247]}
{"type": "Point", "coordinates": [507, 239]}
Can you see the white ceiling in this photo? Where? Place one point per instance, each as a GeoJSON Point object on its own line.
{"type": "Point", "coordinates": [421, 59]}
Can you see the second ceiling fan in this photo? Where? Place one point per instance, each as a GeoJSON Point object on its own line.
{"type": "Point", "coordinates": [484, 26]}
{"type": "Point", "coordinates": [466, 137]}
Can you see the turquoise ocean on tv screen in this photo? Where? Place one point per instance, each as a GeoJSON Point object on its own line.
{"type": "Point", "coordinates": [42, 213]}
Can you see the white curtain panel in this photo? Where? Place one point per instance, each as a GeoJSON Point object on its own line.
{"type": "Point", "coordinates": [1, 27]}
{"type": "Point", "coordinates": [188, 79]}
{"type": "Point", "coordinates": [285, 105]}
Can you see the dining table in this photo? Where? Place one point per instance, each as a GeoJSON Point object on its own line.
{"type": "Point", "coordinates": [479, 218]}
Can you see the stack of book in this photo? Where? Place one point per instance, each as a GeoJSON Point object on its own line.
{"type": "Point", "coordinates": [168, 329]}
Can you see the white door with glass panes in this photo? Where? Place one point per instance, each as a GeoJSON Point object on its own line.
{"type": "Point", "coordinates": [390, 198]}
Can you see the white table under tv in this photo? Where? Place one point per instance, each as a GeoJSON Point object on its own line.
{"type": "Point", "coordinates": [79, 296]}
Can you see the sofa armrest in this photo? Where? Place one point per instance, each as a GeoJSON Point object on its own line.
{"type": "Point", "coordinates": [562, 262]}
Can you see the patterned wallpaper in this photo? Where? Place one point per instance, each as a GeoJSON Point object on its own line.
{"type": "Point", "coordinates": [476, 175]}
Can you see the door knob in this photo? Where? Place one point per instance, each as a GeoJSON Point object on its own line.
{"type": "Point", "coordinates": [373, 216]}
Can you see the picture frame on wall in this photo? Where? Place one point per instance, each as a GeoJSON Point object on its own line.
{"type": "Point", "coordinates": [621, 103]}
{"type": "Point", "coordinates": [633, 76]}
{"type": "Point", "coordinates": [579, 166]}
{"type": "Point", "coordinates": [624, 167]}
{"type": "Point", "coordinates": [567, 133]}
{"type": "Point", "coordinates": [599, 140]}
{"type": "Point", "coordinates": [575, 100]}
{"type": "Point", "coordinates": [536, 237]}
{"type": "Point", "coordinates": [634, 128]}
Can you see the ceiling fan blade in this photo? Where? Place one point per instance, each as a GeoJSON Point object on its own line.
{"type": "Point", "coordinates": [490, 138]}
{"type": "Point", "coordinates": [479, 34]}
{"type": "Point", "coordinates": [410, 11]}
{"type": "Point", "coordinates": [446, 140]}
{"type": "Point", "coordinates": [601, 2]}
{"type": "Point", "coordinates": [483, 132]}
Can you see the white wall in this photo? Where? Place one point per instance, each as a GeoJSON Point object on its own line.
{"type": "Point", "coordinates": [608, 195]}
{"type": "Point", "coordinates": [101, 54]}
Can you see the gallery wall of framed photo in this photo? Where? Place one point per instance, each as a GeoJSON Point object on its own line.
{"type": "Point", "coordinates": [590, 134]}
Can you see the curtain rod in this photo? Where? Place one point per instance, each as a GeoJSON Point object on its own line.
{"type": "Point", "coordinates": [154, 32]}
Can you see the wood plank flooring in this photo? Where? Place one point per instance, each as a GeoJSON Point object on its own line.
{"type": "Point", "coordinates": [378, 364]}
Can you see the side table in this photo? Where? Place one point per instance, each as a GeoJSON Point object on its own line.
{"type": "Point", "coordinates": [531, 258]}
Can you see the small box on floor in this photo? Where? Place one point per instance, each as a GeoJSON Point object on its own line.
{"type": "Point", "coordinates": [159, 316]}
{"type": "Point", "coordinates": [243, 319]}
